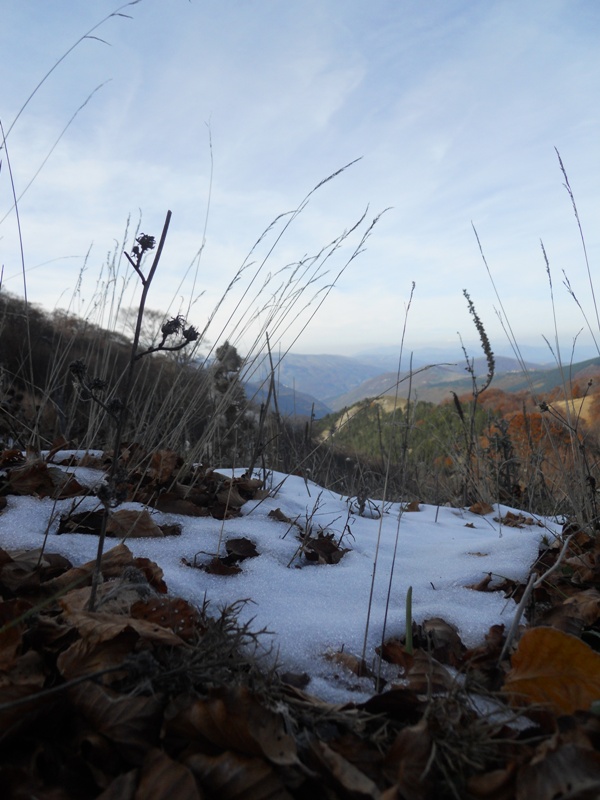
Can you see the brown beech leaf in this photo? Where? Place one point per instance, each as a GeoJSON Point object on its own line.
{"type": "Point", "coordinates": [65, 484]}
{"type": "Point", "coordinates": [512, 520]}
{"type": "Point", "coordinates": [10, 458]}
{"type": "Point", "coordinates": [11, 639]}
{"type": "Point", "coordinates": [344, 774]}
{"type": "Point", "coordinates": [26, 670]}
{"type": "Point", "coordinates": [441, 640]}
{"type": "Point", "coordinates": [498, 784]}
{"type": "Point", "coordinates": [19, 576]}
{"type": "Point", "coordinates": [153, 573]}
{"type": "Point", "coordinates": [171, 503]}
{"type": "Point", "coordinates": [131, 722]}
{"type": "Point", "coordinates": [482, 661]}
{"type": "Point", "coordinates": [483, 585]}
{"type": "Point", "coordinates": [241, 548]}
{"type": "Point", "coordinates": [407, 762]}
{"type": "Point", "coordinates": [394, 652]}
{"type": "Point", "coordinates": [230, 497]}
{"type": "Point", "coordinates": [97, 627]}
{"type": "Point", "coordinates": [220, 510]}
{"type": "Point", "coordinates": [553, 668]}
{"type": "Point", "coordinates": [352, 663]}
{"type": "Point", "coordinates": [11, 630]}
{"type": "Point", "coordinates": [567, 771]}
{"type": "Point", "coordinates": [234, 719]}
{"type": "Point", "coordinates": [32, 478]}
{"type": "Point", "coordinates": [84, 522]}
{"type": "Point", "coordinates": [323, 549]}
{"type": "Point", "coordinates": [219, 566]}
{"type": "Point", "coordinates": [113, 596]}
{"type": "Point", "coordinates": [174, 613]}
{"type": "Point", "coordinates": [132, 524]}
{"type": "Point", "coordinates": [232, 776]}
{"type": "Point", "coordinates": [585, 566]}
{"type": "Point", "coordinates": [58, 443]}
{"type": "Point", "coordinates": [481, 508]}
{"type": "Point", "coordinates": [122, 788]}
{"type": "Point", "coordinates": [577, 612]}
{"type": "Point", "coordinates": [163, 465]}
{"type": "Point", "coordinates": [114, 562]}
{"type": "Point", "coordinates": [161, 778]}
{"type": "Point", "coordinates": [83, 658]}
{"type": "Point", "coordinates": [585, 605]}
{"type": "Point", "coordinates": [427, 674]}
{"type": "Point", "coordinates": [278, 514]}
{"type": "Point", "coordinates": [400, 704]}
{"type": "Point", "coordinates": [22, 571]}
{"type": "Point", "coordinates": [248, 486]}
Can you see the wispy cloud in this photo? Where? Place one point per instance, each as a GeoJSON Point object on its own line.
{"type": "Point", "coordinates": [455, 109]}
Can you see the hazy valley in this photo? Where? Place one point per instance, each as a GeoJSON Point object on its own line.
{"type": "Point", "coordinates": [333, 382]}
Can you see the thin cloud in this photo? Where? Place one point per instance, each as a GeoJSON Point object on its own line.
{"type": "Point", "coordinates": [455, 109]}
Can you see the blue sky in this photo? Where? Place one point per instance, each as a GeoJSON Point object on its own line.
{"type": "Point", "coordinates": [453, 107]}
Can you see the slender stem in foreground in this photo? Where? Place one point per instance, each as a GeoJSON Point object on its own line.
{"type": "Point", "coordinates": [122, 414]}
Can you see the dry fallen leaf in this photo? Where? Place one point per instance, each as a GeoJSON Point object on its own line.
{"type": "Point", "coordinates": [483, 585]}
{"type": "Point", "coordinates": [131, 723]}
{"type": "Point", "coordinates": [241, 548]}
{"type": "Point", "coordinates": [353, 663]}
{"type": "Point", "coordinates": [323, 549]}
{"type": "Point", "coordinates": [97, 628]}
{"type": "Point", "coordinates": [132, 524]}
{"type": "Point", "coordinates": [344, 774]}
{"type": "Point", "coordinates": [278, 514]}
{"type": "Point", "coordinates": [441, 640]}
{"type": "Point", "coordinates": [32, 478]}
{"type": "Point", "coordinates": [163, 465]}
{"type": "Point", "coordinates": [162, 778]}
{"type": "Point", "coordinates": [234, 719]}
{"type": "Point", "coordinates": [408, 760]}
{"type": "Point", "coordinates": [170, 612]}
{"type": "Point", "coordinates": [555, 669]}
{"type": "Point", "coordinates": [171, 503]}
{"type": "Point", "coordinates": [512, 520]}
{"type": "Point", "coordinates": [568, 771]}
{"type": "Point", "coordinates": [231, 775]}
{"type": "Point", "coordinates": [481, 508]}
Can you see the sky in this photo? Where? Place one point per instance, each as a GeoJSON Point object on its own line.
{"type": "Point", "coordinates": [230, 114]}
{"type": "Point", "coordinates": [305, 606]}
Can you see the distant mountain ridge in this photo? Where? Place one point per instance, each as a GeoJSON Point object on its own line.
{"type": "Point", "coordinates": [290, 402]}
{"type": "Point", "coordinates": [322, 376]}
{"type": "Point", "coordinates": [435, 384]}
{"type": "Point", "coordinates": [332, 382]}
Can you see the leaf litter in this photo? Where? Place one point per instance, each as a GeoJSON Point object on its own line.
{"type": "Point", "coordinates": [161, 692]}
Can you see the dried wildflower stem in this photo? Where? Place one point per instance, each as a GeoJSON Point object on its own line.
{"type": "Point", "coordinates": [121, 414]}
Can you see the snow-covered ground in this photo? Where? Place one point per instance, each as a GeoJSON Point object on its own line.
{"type": "Point", "coordinates": [313, 609]}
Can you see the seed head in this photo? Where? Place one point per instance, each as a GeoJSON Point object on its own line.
{"type": "Point", "coordinates": [173, 326]}
{"type": "Point", "coordinates": [78, 369]}
{"type": "Point", "coordinates": [115, 406]}
{"type": "Point", "coordinates": [190, 334]}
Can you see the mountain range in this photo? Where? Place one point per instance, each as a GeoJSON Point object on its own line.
{"type": "Point", "coordinates": [318, 384]}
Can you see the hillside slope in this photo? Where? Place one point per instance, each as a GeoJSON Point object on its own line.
{"type": "Point", "coordinates": [435, 384]}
